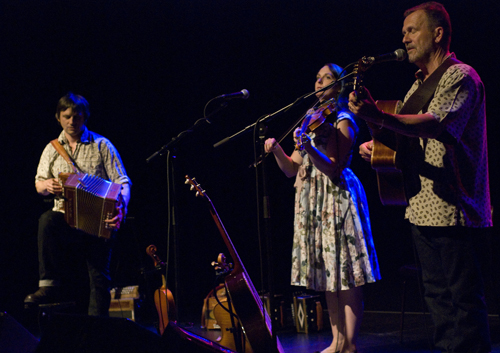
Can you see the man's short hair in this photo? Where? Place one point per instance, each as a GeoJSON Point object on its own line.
{"type": "Point", "coordinates": [75, 102]}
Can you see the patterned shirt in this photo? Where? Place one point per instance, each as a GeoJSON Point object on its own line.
{"type": "Point", "coordinates": [94, 154]}
{"type": "Point", "coordinates": [454, 175]}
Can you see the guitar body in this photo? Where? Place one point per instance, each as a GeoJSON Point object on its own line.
{"type": "Point", "coordinates": [164, 300]}
{"type": "Point", "coordinates": [254, 318]}
{"type": "Point", "coordinates": [390, 179]}
{"type": "Point", "coordinates": [165, 306]}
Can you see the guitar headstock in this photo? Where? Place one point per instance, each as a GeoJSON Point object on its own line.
{"type": "Point", "coordinates": [195, 186]}
{"type": "Point", "coordinates": [359, 71]}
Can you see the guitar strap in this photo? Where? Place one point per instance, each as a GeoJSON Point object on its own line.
{"type": "Point", "coordinates": [60, 149]}
{"type": "Point", "coordinates": [410, 154]}
{"type": "Point", "coordinates": [426, 90]}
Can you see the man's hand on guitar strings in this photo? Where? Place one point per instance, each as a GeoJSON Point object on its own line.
{"type": "Point", "coordinates": [365, 108]}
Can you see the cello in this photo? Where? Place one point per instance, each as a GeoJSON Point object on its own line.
{"type": "Point", "coordinates": [164, 300]}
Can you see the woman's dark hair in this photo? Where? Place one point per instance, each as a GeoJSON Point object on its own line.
{"type": "Point", "coordinates": [335, 69]}
{"type": "Point", "coordinates": [345, 86]}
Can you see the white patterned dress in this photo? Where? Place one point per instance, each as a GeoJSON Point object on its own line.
{"type": "Point", "coordinates": [332, 245]}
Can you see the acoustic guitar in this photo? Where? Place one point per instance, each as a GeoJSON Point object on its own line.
{"type": "Point", "coordinates": [390, 177]}
{"type": "Point", "coordinates": [164, 300]}
{"type": "Point", "coordinates": [253, 317]}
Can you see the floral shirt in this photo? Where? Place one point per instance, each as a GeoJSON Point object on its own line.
{"type": "Point", "coordinates": [454, 175]}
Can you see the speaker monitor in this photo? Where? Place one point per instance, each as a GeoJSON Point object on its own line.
{"type": "Point", "coordinates": [81, 333]}
{"type": "Point", "coordinates": [14, 338]}
{"type": "Point", "coordinates": [78, 333]}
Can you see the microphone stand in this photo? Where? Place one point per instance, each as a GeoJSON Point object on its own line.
{"type": "Point", "coordinates": [171, 199]}
{"type": "Point", "coordinates": [260, 127]}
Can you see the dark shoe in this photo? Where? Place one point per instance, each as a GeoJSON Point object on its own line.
{"type": "Point", "coordinates": [44, 295]}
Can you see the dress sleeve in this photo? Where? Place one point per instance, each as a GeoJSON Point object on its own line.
{"type": "Point", "coordinates": [343, 115]}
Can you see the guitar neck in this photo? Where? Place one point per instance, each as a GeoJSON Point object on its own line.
{"type": "Point", "coordinates": [238, 265]}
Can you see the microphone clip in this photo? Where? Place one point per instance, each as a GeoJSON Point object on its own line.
{"type": "Point", "coordinates": [368, 60]}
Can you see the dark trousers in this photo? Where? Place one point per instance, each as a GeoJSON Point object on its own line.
{"type": "Point", "coordinates": [453, 260]}
{"type": "Point", "coordinates": [63, 254]}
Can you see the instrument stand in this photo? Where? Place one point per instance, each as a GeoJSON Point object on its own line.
{"type": "Point", "coordinates": [171, 199]}
{"type": "Point", "coordinates": [266, 214]}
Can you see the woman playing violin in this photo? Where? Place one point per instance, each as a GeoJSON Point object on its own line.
{"type": "Point", "coordinates": [333, 251]}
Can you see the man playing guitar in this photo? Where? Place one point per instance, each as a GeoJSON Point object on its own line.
{"type": "Point", "coordinates": [450, 215]}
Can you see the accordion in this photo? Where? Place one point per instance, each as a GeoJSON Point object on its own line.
{"type": "Point", "coordinates": [88, 201]}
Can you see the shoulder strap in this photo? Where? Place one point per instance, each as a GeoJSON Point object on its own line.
{"type": "Point", "coordinates": [60, 149]}
{"type": "Point", "coordinates": [424, 93]}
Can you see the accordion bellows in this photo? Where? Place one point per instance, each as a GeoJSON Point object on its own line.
{"type": "Point", "coordinates": [89, 200]}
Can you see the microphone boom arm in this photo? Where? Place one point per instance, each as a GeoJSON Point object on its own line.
{"type": "Point", "coordinates": [276, 113]}
{"type": "Point", "coordinates": [175, 140]}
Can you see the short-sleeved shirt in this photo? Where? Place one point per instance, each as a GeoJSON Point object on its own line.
{"type": "Point", "coordinates": [94, 154]}
{"type": "Point", "coordinates": [454, 175]}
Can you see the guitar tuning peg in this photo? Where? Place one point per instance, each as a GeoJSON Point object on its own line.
{"type": "Point", "coordinates": [191, 188]}
{"type": "Point", "coordinates": [197, 193]}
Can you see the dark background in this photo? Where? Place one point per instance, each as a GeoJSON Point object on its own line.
{"type": "Point", "coordinates": [148, 68]}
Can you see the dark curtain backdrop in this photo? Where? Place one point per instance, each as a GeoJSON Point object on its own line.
{"type": "Point", "coordinates": [148, 68]}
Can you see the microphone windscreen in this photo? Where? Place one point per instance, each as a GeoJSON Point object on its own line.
{"type": "Point", "coordinates": [400, 54]}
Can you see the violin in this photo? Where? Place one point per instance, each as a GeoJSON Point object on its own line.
{"type": "Point", "coordinates": [164, 300]}
{"type": "Point", "coordinates": [314, 120]}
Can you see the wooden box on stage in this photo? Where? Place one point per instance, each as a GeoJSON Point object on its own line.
{"type": "Point", "coordinates": [308, 313]}
{"type": "Point", "coordinates": [278, 316]}
{"type": "Point", "coordinates": [124, 302]}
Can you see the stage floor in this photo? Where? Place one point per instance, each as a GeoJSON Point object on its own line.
{"type": "Point", "coordinates": [380, 333]}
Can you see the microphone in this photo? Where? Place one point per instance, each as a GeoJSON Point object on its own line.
{"type": "Point", "coordinates": [241, 94]}
{"type": "Point", "coordinates": [397, 55]}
